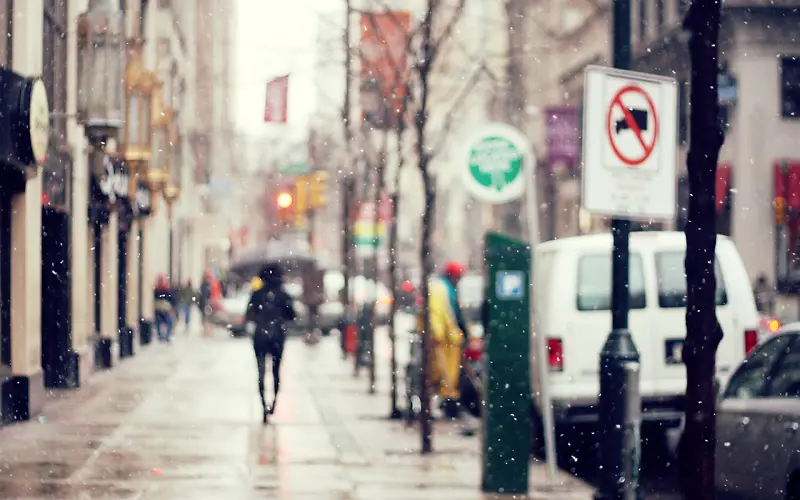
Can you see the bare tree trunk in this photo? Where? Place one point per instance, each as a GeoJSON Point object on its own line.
{"type": "Point", "coordinates": [395, 200]}
{"type": "Point", "coordinates": [703, 332]}
{"type": "Point", "coordinates": [423, 157]}
{"type": "Point", "coordinates": [380, 187]}
{"type": "Point", "coordinates": [347, 235]}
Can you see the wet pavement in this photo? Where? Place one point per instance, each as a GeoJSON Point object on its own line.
{"type": "Point", "coordinates": [183, 422]}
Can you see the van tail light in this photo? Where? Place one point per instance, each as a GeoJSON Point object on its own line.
{"type": "Point", "coordinates": [555, 354]}
{"type": "Point", "coordinates": [750, 341]}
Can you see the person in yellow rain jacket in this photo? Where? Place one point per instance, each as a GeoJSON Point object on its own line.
{"type": "Point", "coordinates": [447, 334]}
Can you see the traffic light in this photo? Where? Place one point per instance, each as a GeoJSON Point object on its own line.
{"type": "Point", "coordinates": [779, 204]}
{"type": "Point", "coordinates": [318, 189]}
{"type": "Point", "coordinates": [285, 202]}
{"type": "Point", "coordinates": [301, 187]}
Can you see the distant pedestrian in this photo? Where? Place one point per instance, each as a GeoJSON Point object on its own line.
{"type": "Point", "coordinates": [448, 332]}
{"type": "Point", "coordinates": [764, 295]}
{"type": "Point", "coordinates": [164, 307]}
{"type": "Point", "coordinates": [187, 298]}
{"type": "Point", "coordinates": [204, 302]}
{"type": "Point", "coordinates": [268, 311]}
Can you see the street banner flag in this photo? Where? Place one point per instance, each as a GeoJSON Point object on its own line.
{"type": "Point", "coordinates": [384, 66]}
{"type": "Point", "coordinates": [277, 94]}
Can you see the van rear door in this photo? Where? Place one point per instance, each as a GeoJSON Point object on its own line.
{"type": "Point", "coordinates": [589, 322]}
{"type": "Point", "coordinates": [668, 320]}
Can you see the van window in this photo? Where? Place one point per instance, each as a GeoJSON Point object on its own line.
{"type": "Point", "coordinates": [594, 282]}
{"type": "Point", "coordinates": [671, 278]}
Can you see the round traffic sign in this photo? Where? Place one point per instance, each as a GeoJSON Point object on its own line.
{"type": "Point", "coordinates": [495, 161]}
{"type": "Point", "coordinates": [635, 121]}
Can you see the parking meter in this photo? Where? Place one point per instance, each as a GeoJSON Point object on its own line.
{"type": "Point", "coordinates": [506, 435]}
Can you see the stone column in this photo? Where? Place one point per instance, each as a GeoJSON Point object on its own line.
{"type": "Point", "coordinates": [109, 320]}
{"type": "Point", "coordinates": [132, 276]}
{"type": "Point", "coordinates": [24, 391]}
{"type": "Point", "coordinates": [148, 275]}
{"type": "Point", "coordinates": [80, 235]}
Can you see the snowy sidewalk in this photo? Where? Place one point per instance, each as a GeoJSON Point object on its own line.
{"type": "Point", "coordinates": [182, 422]}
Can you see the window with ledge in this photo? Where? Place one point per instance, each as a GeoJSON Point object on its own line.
{"type": "Point", "coordinates": [790, 87]}
{"type": "Point", "coordinates": [642, 19]}
{"type": "Point", "coordinates": [54, 56]}
{"type": "Point", "coordinates": [660, 15]}
{"type": "Point", "coordinates": [56, 170]}
{"type": "Point", "coordinates": [6, 28]}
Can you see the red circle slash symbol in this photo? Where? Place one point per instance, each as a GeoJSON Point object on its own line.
{"type": "Point", "coordinates": [630, 121]}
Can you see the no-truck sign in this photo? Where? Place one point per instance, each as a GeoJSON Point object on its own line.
{"type": "Point", "coordinates": [632, 125]}
{"type": "Point", "coordinates": [629, 144]}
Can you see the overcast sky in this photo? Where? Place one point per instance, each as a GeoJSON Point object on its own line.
{"type": "Point", "coordinates": [274, 38]}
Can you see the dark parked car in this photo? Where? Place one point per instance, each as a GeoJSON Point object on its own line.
{"type": "Point", "coordinates": [758, 423]}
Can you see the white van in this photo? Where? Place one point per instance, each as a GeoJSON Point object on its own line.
{"type": "Point", "coordinates": [573, 298]}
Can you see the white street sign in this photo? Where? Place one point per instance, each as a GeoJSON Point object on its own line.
{"type": "Point", "coordinates": [495, 163]}
{"type": "Point", "coordinates": [630, 144]}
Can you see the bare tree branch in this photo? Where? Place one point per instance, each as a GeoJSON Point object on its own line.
{"type": "Point", "coordinates": [457, 104]}
{"type": "Point", "coordinates": [448, 29]}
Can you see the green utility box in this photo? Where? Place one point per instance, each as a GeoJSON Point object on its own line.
{"type": "Point", "coordinates": [506, 417]}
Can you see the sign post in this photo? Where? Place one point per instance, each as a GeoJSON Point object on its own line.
{"type": "Point", "coordinates": [629, 172]}
{"type": "Point", "coordinates": [500, 167]}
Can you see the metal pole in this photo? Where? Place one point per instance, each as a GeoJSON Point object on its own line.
{"type": "Point", "coordinates": [619, 349]}
{"type": "Point", "coordinates": [347, 257]}
{"type": "Point", "coordinates": [548, 425]}
{"type": "Point", "coordinates": [395, 412]}
{"type": "Point", "coordinates": [632, 428]}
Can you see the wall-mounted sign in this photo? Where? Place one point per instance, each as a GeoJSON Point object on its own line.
{"type": "Point", "coordinates": [495, 161]}
{"type": "Point", "coordinates": [115, 181]}
{"type": "Point", "coordinates": [563, 143]}
{"type": "Point", "coordinates": [143, 202]}
{"type": "Point", "coordinates": [38, 121]}
{"type": "Point", "coordinates": [25, 120]}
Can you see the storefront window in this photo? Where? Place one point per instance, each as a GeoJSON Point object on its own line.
{"type": "Point", "coordinates": [786, 206]}
{"type": "Point", "coordinates": [790, 87]}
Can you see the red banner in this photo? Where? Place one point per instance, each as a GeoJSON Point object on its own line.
{"type": "Point", "coordinates": [277, 100]}
{"type": "Point", "coordinates": [384, 61]}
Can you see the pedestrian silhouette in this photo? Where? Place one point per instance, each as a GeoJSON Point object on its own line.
{"type": "Point", "coordinates": [268, 311]}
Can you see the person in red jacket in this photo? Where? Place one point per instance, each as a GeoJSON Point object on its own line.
{"type": "Point", "coordinates": [164, 302]}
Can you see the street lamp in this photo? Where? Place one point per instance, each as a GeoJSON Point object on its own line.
{"type": "Point", "coordinates": [138, 129]}
{"type": "Point", "coordinates": [171, 193]}
{"type": "Point", "coordinates": [100, 55]}
{"type": "Point", "coordinates": [155, 179]}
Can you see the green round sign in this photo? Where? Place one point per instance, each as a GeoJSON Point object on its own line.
{"type": "Point", "coordinates": [496, 159]}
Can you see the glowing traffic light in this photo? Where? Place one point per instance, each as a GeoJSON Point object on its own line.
{"type": "Point", "coordinates": [780, 210]}
{"type": "Point", "coordinates": [285, 200]}
{"type": "Point", "coordinates": [318, 189]}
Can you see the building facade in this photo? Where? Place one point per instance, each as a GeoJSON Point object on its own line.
{"type": "Point", "coordinates": [204, 217]}
{"type": "Point", "coordinates": [759, 110]}
{"type": "Point", "coordinates": [91, 184]}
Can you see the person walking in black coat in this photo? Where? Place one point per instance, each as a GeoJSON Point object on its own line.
{"type": "Point", "coordinates": [268, 311]}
